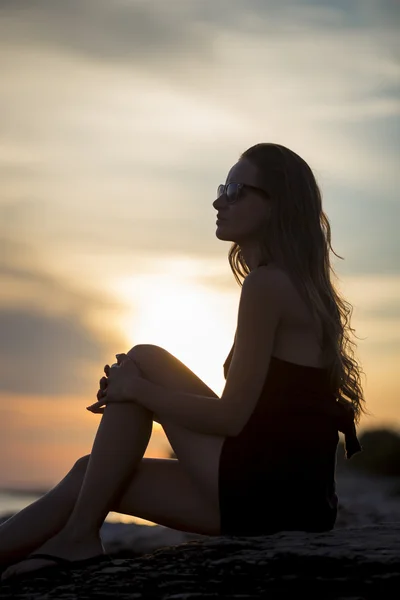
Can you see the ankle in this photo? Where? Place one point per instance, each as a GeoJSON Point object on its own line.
{"type": "Point", "coordinates": [82, 533]}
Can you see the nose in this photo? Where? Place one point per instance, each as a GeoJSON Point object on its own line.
{"type": "Point", "coordinates": [220, 202]}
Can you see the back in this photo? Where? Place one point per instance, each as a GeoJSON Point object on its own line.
{"type": "Point", "coordinates": [298, 339]}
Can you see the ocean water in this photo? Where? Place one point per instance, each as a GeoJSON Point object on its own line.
{"type": "Point", "coordinates": [12, 501]}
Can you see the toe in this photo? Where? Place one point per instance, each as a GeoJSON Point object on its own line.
{"type": "Point", "coordinates": [25, 567]}
{"type": "Point", "coordinates": [10, 572]}
{"type": "Point", "coordinates": [7, 573]}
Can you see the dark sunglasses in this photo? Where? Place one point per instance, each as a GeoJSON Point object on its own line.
{"type": "Point", "coordinates": [233, 190]}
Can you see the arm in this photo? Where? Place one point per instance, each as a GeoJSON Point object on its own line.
{"type": "Point", "coordinates": [262, 299]}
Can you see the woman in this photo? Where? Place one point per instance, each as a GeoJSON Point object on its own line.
{"type": "Point", "coordinates": [261, 458]}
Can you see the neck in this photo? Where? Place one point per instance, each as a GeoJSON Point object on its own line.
{"type": "Point", "coordinates": [252, 255]}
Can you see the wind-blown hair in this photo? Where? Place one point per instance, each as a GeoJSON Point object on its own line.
{"type": "Point", "coordinates": [298, 237]}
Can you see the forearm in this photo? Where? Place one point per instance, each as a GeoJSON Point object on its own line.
{"type": "Point", "coordinates": [203, 414]}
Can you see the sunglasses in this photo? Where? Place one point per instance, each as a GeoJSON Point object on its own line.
{"type": "Point", "coordinates": [233, 191]}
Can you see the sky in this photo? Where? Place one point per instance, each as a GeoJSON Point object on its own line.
{"type": "Point", "coordinates": [119, 120]}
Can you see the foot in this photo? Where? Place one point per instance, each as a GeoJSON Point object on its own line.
{"type": "Point", "coordinates": [60, 545]}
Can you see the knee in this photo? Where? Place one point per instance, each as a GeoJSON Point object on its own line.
{"type": "Point", "coordinates": [81, 464]}
{"type": "Point", "coordinates": [143, 350]}
{"type": "Point", "coordinates": [144, 355]}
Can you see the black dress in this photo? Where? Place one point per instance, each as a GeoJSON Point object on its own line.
{"type": "Point", "coordinates": [278, 473]}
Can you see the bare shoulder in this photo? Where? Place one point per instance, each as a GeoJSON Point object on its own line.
{"type": "Point", "coordinates": [268, 291]}
{"type": "Point", "coordinates": [269, 278]}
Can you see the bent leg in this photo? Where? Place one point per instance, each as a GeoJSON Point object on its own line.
{"type": "Point", "coordinates": [119, 446]}
{"type": "Point", "coordinates": [120, 443]}
{"type": "Point", "coordinates": [198, 453]}
{"type": "Point", "coordinates": [33, 525]}
{"type": "Point", "coordinates": [161, 491]}
{"type": "Point", "coordinates": [128, 435]}
{"type": "Point", "coordinates": [183, 507]}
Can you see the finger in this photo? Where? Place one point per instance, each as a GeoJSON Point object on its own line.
{"type": "Point", "coordinates": [96, 405]}
{"type": "Point", "coordinates": [97, 411]}
{"type": "Point", "coordinates": [107, 370]}
{"type": "Point", "coordinates": [121, 358]}
{"type": "Point", "coordinates": [103, 383]}
{"type": "Point", "coordinates": [131, 359]}
{"type": "Point", "coordinates": [100, 394]}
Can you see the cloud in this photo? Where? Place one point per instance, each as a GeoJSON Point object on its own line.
{"type": "Point", "coordinates": [46, 354]}
{"type": "Point", "coordinates": [169, 73]}
{"type": "Point", "coordinates": [48, 345]}
{"type": "Point", "coordinates": [116, 32]}
{"type": "Point", "coordinates": [22, 267]}
{"type": "Point", "coordinates": [387, 310]}
{"type": "Point", "coordinates": [142, 31]}
{"type": "Point", "coordinates": [364, 231]}
{"type": "Point", "coordinates": [193, 42]}
{"type": "Point", "coordinates": [122, 117]}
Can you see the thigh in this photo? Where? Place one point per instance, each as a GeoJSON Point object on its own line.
{"type": "Point", "coordinates": [161, 491]}
{"type": "Point", "coordinates": [198, 453]}
{"type": "Point", "coordinates": [163, 368]}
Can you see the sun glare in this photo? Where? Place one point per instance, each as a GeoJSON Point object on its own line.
{"type": "Point", "coordinates": [188, 319]}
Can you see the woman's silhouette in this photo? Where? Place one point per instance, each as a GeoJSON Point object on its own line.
{"type": "Point", "coordinates": [261, 458]}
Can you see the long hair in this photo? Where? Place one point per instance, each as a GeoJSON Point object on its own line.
{"type": "Point", "coordinates": [297, 237]}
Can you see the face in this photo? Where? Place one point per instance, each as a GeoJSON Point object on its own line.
{"type": "Point", "coordinates": [242, 220]}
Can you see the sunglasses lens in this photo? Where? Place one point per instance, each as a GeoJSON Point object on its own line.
{"type": "Point", "coordinates": [231, 191]}
{"type": "Point", "coordinates": [220, 190]}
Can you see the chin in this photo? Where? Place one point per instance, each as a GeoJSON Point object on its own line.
{"type": "Point", "coordinates": [221, 236]}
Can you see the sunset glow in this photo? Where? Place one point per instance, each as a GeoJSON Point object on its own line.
{"type": "Point", "coordinates": [188, 319]}
{"type": "Point", "coordinates": [120, 121]}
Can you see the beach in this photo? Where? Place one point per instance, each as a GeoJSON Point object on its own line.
{"type": "Point", "coordinates": [364, 500]}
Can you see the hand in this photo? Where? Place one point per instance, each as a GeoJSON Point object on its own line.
{"type": "Point", "coordinates": [96, 408]}
{"type": "Point", "coordinates": [117, 387]}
